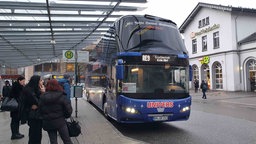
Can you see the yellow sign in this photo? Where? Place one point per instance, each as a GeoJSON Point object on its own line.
{"type": "Point", "coordinates": [205, 60]}
{"type": "Point", "coordinates": [69, 54]}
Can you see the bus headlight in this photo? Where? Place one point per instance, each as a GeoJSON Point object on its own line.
{"type": "Point", "coordinates": [185, 109]}
{"type": "Point", "coordinates": [131, 110]}
{"type": "Point", "coordinates": [91, 91]}
{"type": "Point", "coordinates": [99, 91]}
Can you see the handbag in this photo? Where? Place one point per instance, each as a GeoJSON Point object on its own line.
{"type": "Point", "coordinates": [74, 129]}
{"type": "Point", "coordinates": [9, 104]}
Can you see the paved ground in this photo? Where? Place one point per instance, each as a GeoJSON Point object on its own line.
{"type": "Point", "coordinates": [242, 98]}
{"type": "Point", "coordinates": [97, 130]}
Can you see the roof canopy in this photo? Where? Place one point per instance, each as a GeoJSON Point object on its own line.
{"type": "Point", "coordinates": [36, 31]}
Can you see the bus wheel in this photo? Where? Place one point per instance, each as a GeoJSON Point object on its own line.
{"type": "Point", "coordinates": [105, 109]}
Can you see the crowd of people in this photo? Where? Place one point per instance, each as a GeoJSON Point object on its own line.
{"type": "Point", "coordinates": [42, 106]}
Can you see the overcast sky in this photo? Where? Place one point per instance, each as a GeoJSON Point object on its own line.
{"type": "Point", "coordinates": [178, 10]}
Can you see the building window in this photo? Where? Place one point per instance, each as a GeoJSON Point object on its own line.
{"type": "Point", "coordinates": [252, 75]}
{"type": "Point", "coordinates": [55, 67]}
{"type": "Point", "coordinates": [216, 40]}
{"type": "Point", "coordinates": [203, 22]}
{"type": "Point", "coordinates": [39, 68]}
{"type": "Point", "coordinates": [199, 24]}
{"type": "Point", "coordinates": [204, 43]}
{"type": "Point", "coordinates": [47, 67]}
{"type": "Point", "coordinates": [218, 76]}
{"type": "Point", "coordinates": [252, 65]}
{"type": "Point", "coordinates": [207, 21]}
{"type": "Point", "coordinates": [195, 72]}
{"type": "Point", "coordinates": [70, 67]}
{"type": "Point", "coordinates": [194, 46]}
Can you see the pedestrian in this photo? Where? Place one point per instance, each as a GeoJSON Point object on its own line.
{"type": "Point", "coordinates": [204, 88]}
{"type": "Point", "coordinates": [16, 92]}
{"type": "Point", "coordinates": [54, 109]}
{"type": "Point", "coordinates": [196, 85]}
{"type": "Point", "coordinates": [6, 89]}
{"type": "Point", "coordinates": [65, 83]}
{"type": "Point", "coordinates": [32, 92]}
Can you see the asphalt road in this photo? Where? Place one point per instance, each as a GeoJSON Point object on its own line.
{"type": "Point", "coordinates": [211, 122]}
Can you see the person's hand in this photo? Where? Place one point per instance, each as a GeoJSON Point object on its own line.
{"type": "Point", "coordinates": [34, 107]}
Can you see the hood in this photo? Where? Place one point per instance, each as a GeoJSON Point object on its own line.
{"type": "Point", "coordinates": [16, 89]}
{"type": "Point", "coordinates": [63, 80]}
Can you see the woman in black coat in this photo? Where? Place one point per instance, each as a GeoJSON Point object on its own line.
{"type": "Point", "coordinates": [31, 94]}
{"type": "Point", "coordinates": [54, 109]}
{"type": "Point", "coordinates": [16, 92]}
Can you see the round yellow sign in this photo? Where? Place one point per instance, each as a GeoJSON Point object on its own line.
{"type": "Point", "coordinates": [69, 54]}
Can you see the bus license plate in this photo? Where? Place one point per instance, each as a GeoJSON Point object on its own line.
{"type": "Point", "coordinates": [160, 118]}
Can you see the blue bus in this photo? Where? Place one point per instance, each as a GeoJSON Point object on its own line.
{"type": "Point", "coordinates": [146, 67]}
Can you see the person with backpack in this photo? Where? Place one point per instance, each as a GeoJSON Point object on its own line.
{"type": "Point", "coordinates": [204, 88]}
{"type": "Point", "coordinates": [65, 83]}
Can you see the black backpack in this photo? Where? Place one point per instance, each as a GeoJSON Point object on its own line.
{"type": "Point", "coordinates": [204, 87]}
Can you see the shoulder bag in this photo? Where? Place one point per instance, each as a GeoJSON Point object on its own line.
{"type": "Point", "coordinates": [74, 129]}
{"type": "Point", "coordinates": [9, 104]}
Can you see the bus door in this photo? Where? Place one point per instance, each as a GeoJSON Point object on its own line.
{"type": "Point", "coordinates": [111, 98]}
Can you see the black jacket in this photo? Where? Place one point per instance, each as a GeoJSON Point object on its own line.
{"type": "Point", "coordinates": [30, 97]}
{"type": "Point", "coordinates": [6, 91]}
{"type": "Point", "coordinates": [16, 92]}
{"type": "Point", "coordinates": [54, 108]}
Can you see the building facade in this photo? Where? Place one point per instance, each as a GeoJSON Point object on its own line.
{"type": "Point", "coordinates": [221, 41]}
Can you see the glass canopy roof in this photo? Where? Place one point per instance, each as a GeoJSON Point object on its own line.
{"type": "Point", "coordinates": [36, 31]}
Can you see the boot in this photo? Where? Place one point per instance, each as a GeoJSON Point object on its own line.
{"type": "Point", "coordinates": [17, 136]}
{"type": "Point", "coordinates": [15, 130]}
{"type": "Point", "coordinates": [18, 130]}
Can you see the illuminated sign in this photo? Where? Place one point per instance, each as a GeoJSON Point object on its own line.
{"type": "Point", "coordinates": [157, 58]}
{"type": "Point", "coordinates": [205, 60]}
{"type": "Point", "coordinates": [160, 104]}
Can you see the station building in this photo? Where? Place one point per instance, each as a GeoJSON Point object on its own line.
{"type": "Point", "coordinates": [221, 41]}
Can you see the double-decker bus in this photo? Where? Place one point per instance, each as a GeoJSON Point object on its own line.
{"type": "Point", "coordinates": [147, 70]}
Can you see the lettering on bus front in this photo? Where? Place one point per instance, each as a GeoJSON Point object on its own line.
{"type": "Point", "coordinates": [157, 58]}
{"type": "Point", "coordinates": [160, 104]}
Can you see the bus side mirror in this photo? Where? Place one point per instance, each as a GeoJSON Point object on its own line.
{"type": "Point", "coordinates": [120, 72]}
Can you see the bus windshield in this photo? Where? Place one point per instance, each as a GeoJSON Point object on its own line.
{"type": "Point", "coordinates": [140, 34]}
{"type": "Point", "coordinates": [97, 81]}
{"type": "Point", "coordinates": [155, 78]}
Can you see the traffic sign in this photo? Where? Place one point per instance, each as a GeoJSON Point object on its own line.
{"type": "Point", "coordinates": [68, 55]}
